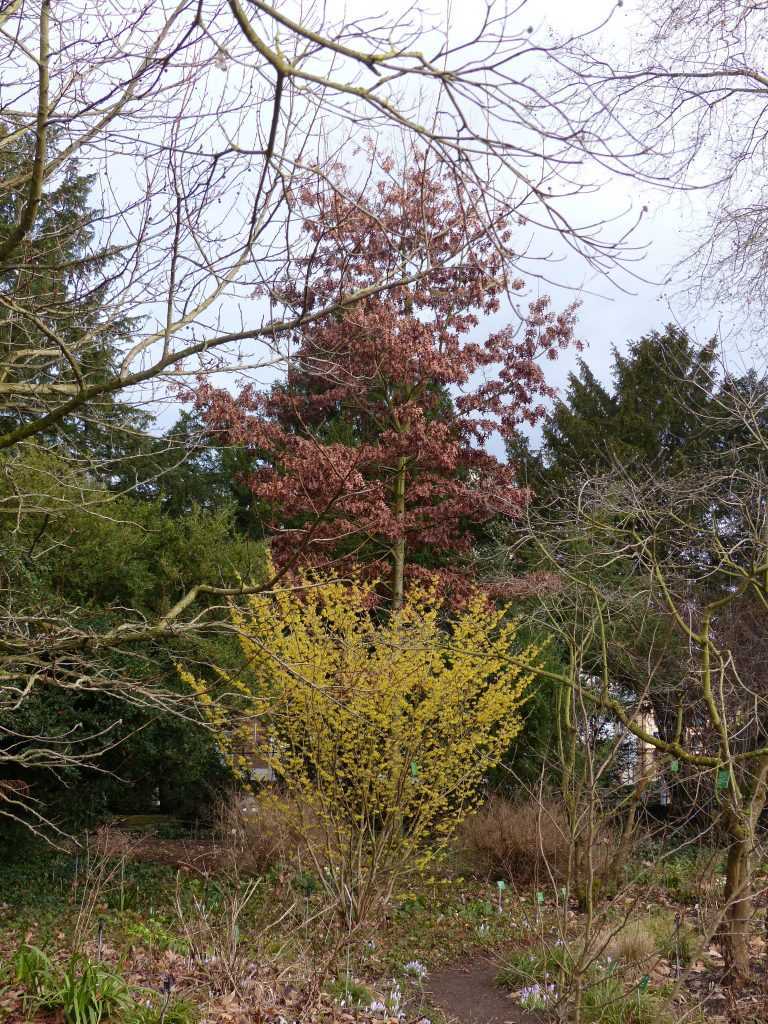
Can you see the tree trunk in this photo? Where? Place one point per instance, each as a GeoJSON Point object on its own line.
{"type": "Point", "coordinates": [398, 549]}
{"type": "Point", "coordinates": [739, 907]}
{"type": "Point", "coordinates": [735, 929]}
{"type": "Point", "coordinates": [628, 831]}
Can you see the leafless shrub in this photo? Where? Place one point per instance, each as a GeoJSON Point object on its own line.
{"type": "Point", "coordinates": [100, 869]}
{"type": "Point", "coordinates": [213, 933]}
{"type": "Point", "coordinates": [258, 833]}
{"type": "Point", "coordinates": [517, 841]}
{"type": "Point", "coordinates": [211, 929]}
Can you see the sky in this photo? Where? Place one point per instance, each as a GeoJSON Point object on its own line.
{"type": "Point", "coordinates": [625, 306]}
{"type": "Point", "coordinates": [618, 309]}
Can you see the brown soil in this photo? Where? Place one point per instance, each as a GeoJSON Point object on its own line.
{"type": "Point", "coordinates": [469, 995]}
{"type": "Point", "coordinates": [198, 856]}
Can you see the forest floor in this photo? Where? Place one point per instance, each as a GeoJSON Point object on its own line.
{"type": "Point", "coordinates": [192, 945]}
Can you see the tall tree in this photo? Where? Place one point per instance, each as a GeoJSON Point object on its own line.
{"type": "Point", "coordinates": [659, 416]}
{"type": "Point", "coordinates": [57, 330]}
{"type": "Point", "coordinates": [375, 445]}
{"type": "Point", "coordinates": [657, 413]}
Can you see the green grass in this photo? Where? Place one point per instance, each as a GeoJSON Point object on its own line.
{"type": "Point", "coordinates": [608, 1001]}
{"type": "Point", "coordinates": [673, 941]}
{"type": "Point", "coordinates": [87, 992]}
{"type": "Point", "coordinates": [347, 992]}
{"type": "Point", "coordinates": [175, 1011]}
{"type": "Point", "coordinates": [606, 998]}
{"type": "Point", "coordinates": [685, 874]}
{"type": "Point", "coordinates": [534, 966]}
{"type": "Point", "coordinates": [154, 934]}
{"type": "Point", "coordinates": [441, 923]}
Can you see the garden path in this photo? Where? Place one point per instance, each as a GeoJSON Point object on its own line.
{"type": "Point", "coordinates": [469, 994]}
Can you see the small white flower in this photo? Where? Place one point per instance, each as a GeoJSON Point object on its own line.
{"type": "Point", "coordinates": [395, 998]}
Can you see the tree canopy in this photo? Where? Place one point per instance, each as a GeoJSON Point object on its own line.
{"type": "Point", "coordinates": [374, 447]}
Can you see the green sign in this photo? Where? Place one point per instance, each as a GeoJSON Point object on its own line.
{"type": "Point", "coordinates": [539, 897]}
{"type": "Point", "coordinates": [501, 885]}
{"type": "Point", "coordinates": [644, 982]}
{"type": "Point", "coordinates": [674, 766]}
{"type": "Point", "coordinates": [414, 769]}
{"type": "Point", "coordinates": [723, 778]}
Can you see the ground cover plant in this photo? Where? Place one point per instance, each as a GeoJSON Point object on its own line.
{"type": "Point", "coordinates": [199, 940]}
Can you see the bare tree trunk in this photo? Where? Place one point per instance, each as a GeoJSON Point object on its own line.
{"type": "Point", "coordinates": [398, 549]}
{"type": "Point", "coordinates": [739, 896]}
{"type": "Point", "coordinates": [735, 929]}
{"type": "Point", "coordinates": [628, 831]}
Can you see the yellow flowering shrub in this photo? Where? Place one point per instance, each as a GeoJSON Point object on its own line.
{"type": "Point", "coordinates": [382, 730]}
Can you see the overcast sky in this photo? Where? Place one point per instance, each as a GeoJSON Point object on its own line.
{"type": "Point", "coordinates": [623, 308]}
{"type": "Point", "coordinates": [627, 306]}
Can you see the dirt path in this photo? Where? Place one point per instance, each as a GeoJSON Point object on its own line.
{"type": "Point", "coordinates": [470, 995]}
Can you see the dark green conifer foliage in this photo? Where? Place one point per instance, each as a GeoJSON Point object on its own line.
{"type": "Point", "coordinates": [57, 331]}
{"type": "Point", "coordinates": [655, 416]}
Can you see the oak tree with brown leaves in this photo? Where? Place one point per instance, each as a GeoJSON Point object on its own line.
{"type": "Point", "coordinates": [375, 446]}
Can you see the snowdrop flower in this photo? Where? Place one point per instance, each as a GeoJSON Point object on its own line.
{"type": "Point", "coordinates": [395, 998]}
{"type": "Point", "coordinates": [377, 1006]}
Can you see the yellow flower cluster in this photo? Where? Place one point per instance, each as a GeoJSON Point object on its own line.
{"type": "Point", "coordinates": [383, 726]}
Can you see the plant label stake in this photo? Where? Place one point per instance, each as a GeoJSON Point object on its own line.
{"type": "Point", "coordinates": [501, 886]}
{"type": "Point", "coordinates": [678, 923]}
